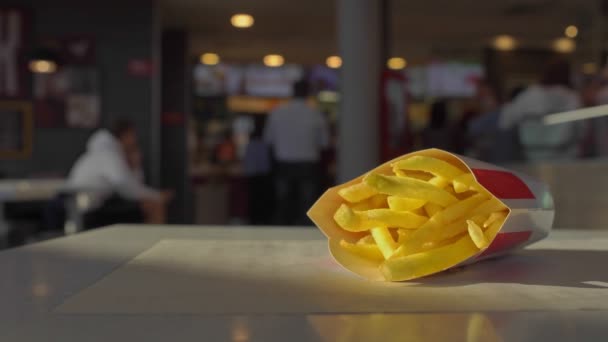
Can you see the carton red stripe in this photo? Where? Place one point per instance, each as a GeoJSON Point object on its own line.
{"type": "Point", "coordinates": [505, 241]}
{"type": "Point", "coordinates": [503, 184]}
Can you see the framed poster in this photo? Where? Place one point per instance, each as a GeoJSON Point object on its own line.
{"type": "Point", "coordinates": [15, 129]}
{"type": "Point", "coordinates": [68, 98]}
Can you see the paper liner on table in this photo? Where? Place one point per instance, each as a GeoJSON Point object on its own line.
{"type": "Point", "coordinates": [529, 219]}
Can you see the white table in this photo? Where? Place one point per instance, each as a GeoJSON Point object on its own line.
{"type": "Point", "coordinates": [23, 190]}
{"type": "Point", "coordinates": [47, 291]}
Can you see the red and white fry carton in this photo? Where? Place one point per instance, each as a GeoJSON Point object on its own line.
{"type": "Point", "coordinates": [530, 204]}
{"type": "Point", "coordinates": [529, 219]}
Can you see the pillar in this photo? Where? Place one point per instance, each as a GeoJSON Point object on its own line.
{"type": "Point", "coordinates": [360, 27]}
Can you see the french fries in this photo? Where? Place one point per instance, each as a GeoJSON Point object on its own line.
{"type": "Point", "coordinates": [428, 215]}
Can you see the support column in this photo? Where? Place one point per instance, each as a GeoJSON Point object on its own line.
{"type": "Point", "coordinates": [175, 106]}
{"type": "Point", "coordinates": [360, 43]}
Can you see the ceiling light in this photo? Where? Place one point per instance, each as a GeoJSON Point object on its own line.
{"type": "Point", "coordinates": [210, 58]}
{"type": "Point", "coordinates": [571, 31]}
{"type": "Point", "coordinates": [504, 42]}
{"type": "Point", "coordinates": [334, 62]}
{"type": "Point", "coordinates": [242, 20]}
{"type": "Point", "coordinates": [42, 66]}
{"type": "Point", "coordinates": [396, 63]}
{"type": "Point", "coordinates": [564, 45]}
{"type": "Point", "coordinates": [273, 60]}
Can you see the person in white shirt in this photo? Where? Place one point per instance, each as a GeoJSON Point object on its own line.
{"type": "Point", "coordinates": [297, 134]}
{"type": "Point", "coordinates": [553, 94]}
{"type": "Point", "coordinates": [110, 170]}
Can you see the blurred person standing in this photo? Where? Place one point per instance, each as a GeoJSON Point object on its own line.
{"type": "Point", "coordinates": [111, 169]}
{"type": "Point", "coordinates": [552, 94]}
{"type": "Point", "coordinates": [482, 123]}
{"type": "Point", "coordinates": [297, 134]}
{"type": "Point", "coordinates": [438, 133]}
{"type": "Point", "coordinates": [257, 165]}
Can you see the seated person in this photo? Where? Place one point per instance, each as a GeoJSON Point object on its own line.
{"type": "Point", "coordinates": [111, 170]}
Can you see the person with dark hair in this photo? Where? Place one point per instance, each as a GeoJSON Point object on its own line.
{"type": "Point", "coordinates": [110, 169]}
{"type": "Point", "coordinates": [553, 94]}
{"type": "Point", "coordinates": [297, 134]}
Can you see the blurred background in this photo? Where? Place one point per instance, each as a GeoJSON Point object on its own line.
{"type": "Point", "coordinates": [185, 111]}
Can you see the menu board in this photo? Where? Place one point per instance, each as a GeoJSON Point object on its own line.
{"type": "Point", "coordinates": [444, 79]}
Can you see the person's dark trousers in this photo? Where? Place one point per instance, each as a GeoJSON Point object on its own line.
{"type": "Point", "coordinates": [297, 189]}
{"type": "Point", "coordinates": [261, 199]}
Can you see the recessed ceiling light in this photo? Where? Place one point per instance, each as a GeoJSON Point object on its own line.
{"type": "Point", "coordinates": [242, 20]}
{"type": "Point", "coordinates": [571, 31]}
{"type": "Point", "coordinates": [42, 66]}
{"type": "Point", "coordinates": [396, 63]}
{"type": "Point", "coordinates": [210, 58]}
{"type": "Point", "coordinates": [273, 60]}
{"type": "Point", "coordinates": [564, 45]}
{"type": "Point", "coordinates": [334, 62]}
{"type": "Point", "coordinates": [504, 42]}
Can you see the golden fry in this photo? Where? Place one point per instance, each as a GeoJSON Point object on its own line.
{"type": "Point", "coordinates": [494, 217]}
{"type": "Point", "coordinates": [463, 182]}
{"type": "Point", "coordinates": [439, 182]}
{"type": "Point", "coordinates": [374, 202]}
{"type": "Point", "coordinates": [489, 206]}
{"type": "Point", "coordinates": [357, 221]}
{"type": "Point", "coordinates": [494, 229]}
{"type": "Point", "coordinates": [347, 219]}
{"type": "Point", "coordinates": [426, 233]}
{"type": "Point", "coordinates": [459, 227]}
{"type": "Point", "coordinates": [392, 218]}
{"type": "Point", "coordinates": [452, 229]}
{"type": "Point", "coordinates": [409, 187]}
{"type": "Point", "coordinates": [403, 235]}
{"type": "Point", "coordinates": [404, 204]}
{"type": "Point", "coordinates": [476, 234]}
{"type": "Point", "coordinates": [384, 240]}
{"type": "Point", "coordinates": [367, 251]}
{"type": "Point", "coordinates": [425, 176]}
{"type": "Point", "coordinates": [367, 239]}
{"type": "Point", "coordinates": [460, 209]}
{"type": "Point", "coordinates": [357, 192]}
{"type": "Point", "coordinates": [435, 166]}
{"type": "Point", "coordinates": [432, 209]}
{"type": "Point", "coordinates": [428, 262]}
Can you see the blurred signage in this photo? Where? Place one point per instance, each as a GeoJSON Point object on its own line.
{"type": "Point", "coordinates": [249, 104]}
{"type": "Point", "coordinates": [13, 34]}
{"type": "Point", "coordinates": [265, 81]}
{"type": "Point", "coordinates": [443, 79]}
{"type": "Point", "coordinates": [453, 79]}
{"type": "Point", "coordinates": [253, 80]}
{"type": "Point", "coordinates": [140, 67]}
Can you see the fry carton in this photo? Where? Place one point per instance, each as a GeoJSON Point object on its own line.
{"type": "Point", "coordinates": [429, 211]}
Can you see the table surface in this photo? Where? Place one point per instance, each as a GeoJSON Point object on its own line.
{"type": "Point", "coordinates": [29, 189]}
{"type": "Point", "coordinates": [36, 281]}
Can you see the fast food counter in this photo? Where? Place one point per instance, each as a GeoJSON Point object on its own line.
{"type": "Point", "coordinates": [220, 194]}
{"type": "Point", "coordinates": [159, 283]}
